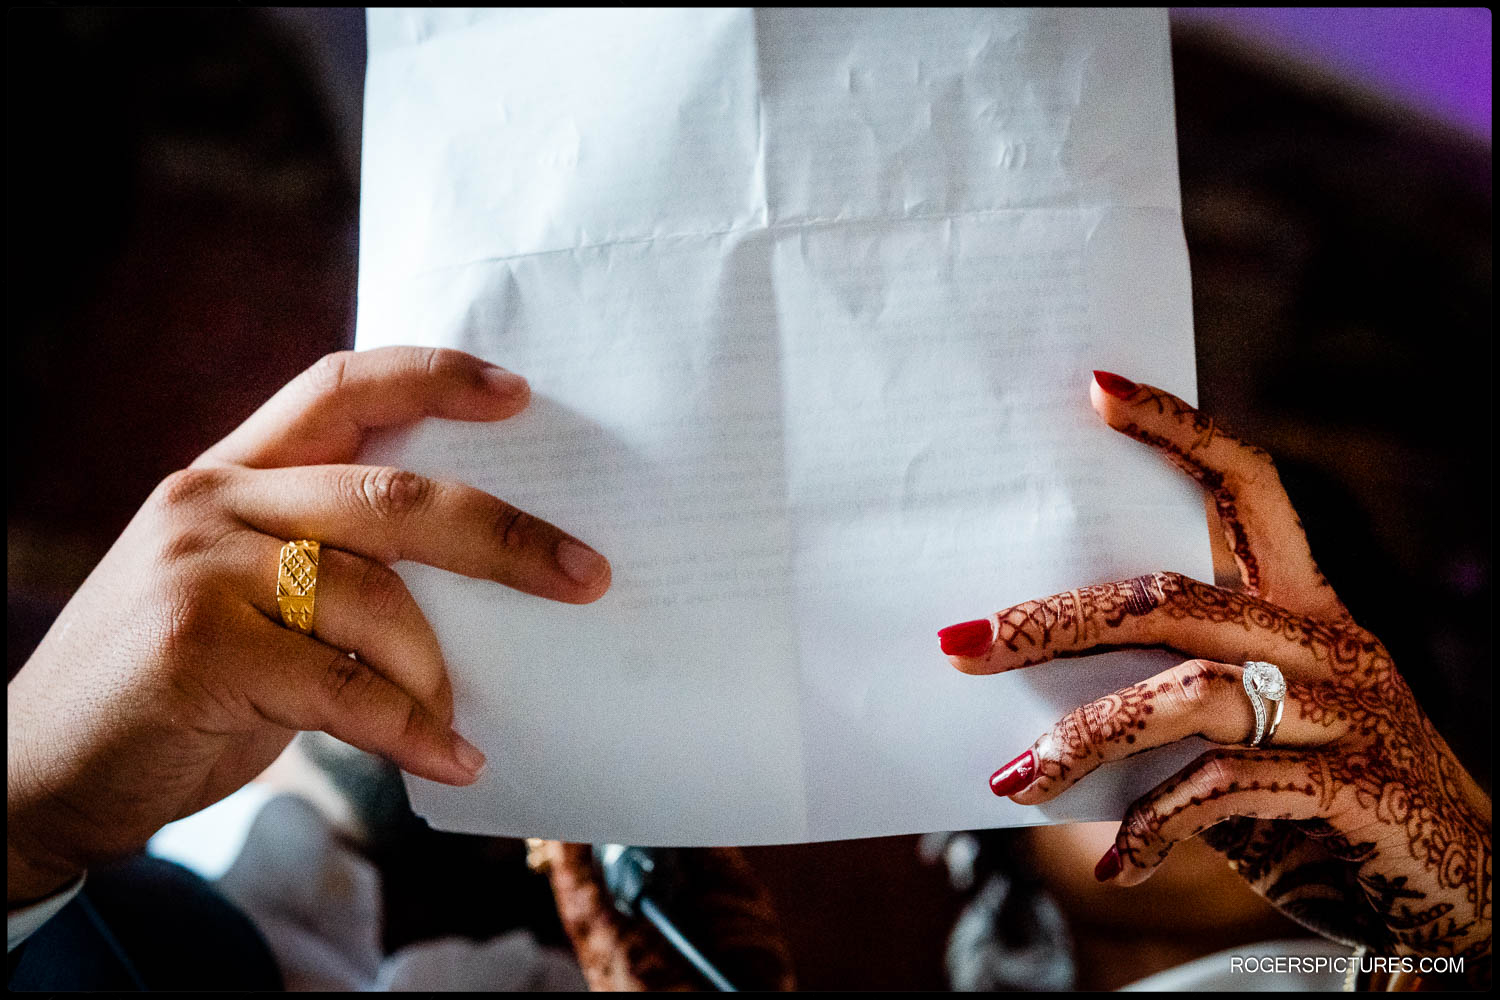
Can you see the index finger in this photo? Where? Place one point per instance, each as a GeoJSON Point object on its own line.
{"type": "Point", "coordinates": [391, 514]}
{"type": "Point", "coordinates": [1260, 525]}
{"type": "Point", "coordinates": [322, 416]}
{"type": "Point", "coordinates": [1160, 611]}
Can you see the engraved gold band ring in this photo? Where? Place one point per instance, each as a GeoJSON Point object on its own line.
{"type": "Point", "coordinates": [297, 584]}
{"type": "Point", "coordinates": [1267, 691]}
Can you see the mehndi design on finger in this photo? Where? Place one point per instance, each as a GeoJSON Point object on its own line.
{"type": "Point", "coordinates": [1218, 478]}
{"type": "Point", "coordinates": [1080, 622]}
{"type": "Point", "coordinates": [1077, 743]}
{"type": "Point", "coordinates": [1394, 785]}
{"type": "Point", "coordinates": [1374, 835]}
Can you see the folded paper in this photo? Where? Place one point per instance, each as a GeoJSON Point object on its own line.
{"type": "Point", "coordinates": [809, 302]}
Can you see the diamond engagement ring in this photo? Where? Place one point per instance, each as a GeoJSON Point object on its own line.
{"type": "Point", "coordinates": [1264, 684]}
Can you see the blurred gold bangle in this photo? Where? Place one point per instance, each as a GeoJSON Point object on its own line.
{"type": "Point", "coordinates": [297, 584]}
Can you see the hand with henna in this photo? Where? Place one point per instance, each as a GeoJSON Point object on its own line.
{"type": "Point", "coordinates": [728, 913]}
{"type": "Point", "coordinates": [1355, 819]}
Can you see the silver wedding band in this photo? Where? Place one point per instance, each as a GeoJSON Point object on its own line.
{"type": "Point", "coordinates": [1266, 689]}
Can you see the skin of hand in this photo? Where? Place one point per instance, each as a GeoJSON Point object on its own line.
{"type": "Point", "coordinates": [169, 680]}
{"type": "Point", "coordinates": [1355, 819]}
{"type": "Point", "coordinates": [727, 913]}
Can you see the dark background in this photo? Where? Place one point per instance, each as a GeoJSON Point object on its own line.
{"type": "Point", "coordinates": [182, 240]}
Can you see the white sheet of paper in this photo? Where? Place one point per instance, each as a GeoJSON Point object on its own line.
{"type": "Point", "coordinates": [808, 301]}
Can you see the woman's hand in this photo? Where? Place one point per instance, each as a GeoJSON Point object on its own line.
{"type": "Point", "coordinates": [169, 680]}
{"type": "Point", "coordinates": [1355, 819]}
{"type": "Point", "coordinates": [722, 906]}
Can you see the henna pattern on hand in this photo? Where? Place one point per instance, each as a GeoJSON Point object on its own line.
{"type": "Point", "coordinates": [1374, 834]}
{"type": "Point", "coordinates": [1420, 877]}
{"type": "Point", "coordinates": [1076, 743]}
{"type": "Point", "coordinates": [1078, 622]}
{"type": "Point", "coordinates": [1309, 880]}
{"type": "Point", "coordinates": [728, 906]}
{"type": "Point", "coordinates": [1187, 459]}
{"type": "Point", "coordinates": [1422, 862]}
{"type": "Point", "coordinates": [1424, 867]}
{"type": "Point", "coordinates": [1224, 503]}
{"type": "Point", "coordinates": [1188, 455]}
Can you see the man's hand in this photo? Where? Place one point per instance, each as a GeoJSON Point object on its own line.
{"type": "Point", "coordinates": [169, 680]}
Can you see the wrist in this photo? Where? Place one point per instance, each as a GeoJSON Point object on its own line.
{"type": "Point", "coordinates": [34, 869]}
{"type": "Point", "coordinates": [30, 879]}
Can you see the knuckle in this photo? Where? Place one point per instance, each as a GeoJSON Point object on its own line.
{"type": "Point", "coordinates": [1085, 730]}
{"type": "Point", "coordinates": [441, 363]}
{"type": "Point", "coordinates": [327, 374]}
{"type": "Point", "coordinates": [1214, 771]}
{"type": "Point", "coordinates": [1260, 462]}
{"type": "Point", "coordinates": [188, 618]}
{"type": "Point", "coordinates": [382, 594]}
{"type": "Point", "coordinates": [1167, 582]}
{"type": "Point", "coordinates": [1252, 466]}
{"type": "Point", "coordinates": [345, 679]}
{"type": "Point", "coordinates": [190, 539]}
{"type": "Point", "coordinates": [1142, 821]}
{"type": "Point", "coordinates": [190, 626]}
{"type": "Point", "coordinates": [188, 487]}
{"type": "Point", "coordinates": [185, 525]}
{"type": "Point", "coordinates": [1357, 648]}
{"type": "Point", "coordinates": [392, 493]}
{"type": "Point", "coordinates": [1198, 684]}
{"type": "Point", "coordinates": [512, 526]}
{"type": "Point", "coordinates": [1375, 651]}
{"type": "Point", "coordinates": [413, 724]}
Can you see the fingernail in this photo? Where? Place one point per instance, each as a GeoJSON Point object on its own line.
{"type": "Point", "coordinates": [581, 563]}
{"type": "Point", "coordinates": [1115, 385]}
{"type": "Point", "coordinates": [1014, 776]}
{"type": "Point", "coordinates": [1109, 866]}
{"type": "Point", "coordinates": [467, 754]}
{"type": "Point", "coordinates": [967, 638]}
{"type": "Point", "coordinates": [503, 383]}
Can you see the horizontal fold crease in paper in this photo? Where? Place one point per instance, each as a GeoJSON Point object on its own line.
{"type": "Point", "coordinates": [808, 301]}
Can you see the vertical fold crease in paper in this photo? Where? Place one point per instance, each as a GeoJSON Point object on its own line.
{"type": "Point", "coordinates": [808, 301]}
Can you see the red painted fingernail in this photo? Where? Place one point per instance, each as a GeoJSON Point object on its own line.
{"type": "Point", "coordinates": [1115, 385]}
{"type": "Point", "coordinates": [967, 638]}
{"type": "Point", "coordinates": [1014, 776]}
{"type": "Point", "coordinates": [1109, 866]}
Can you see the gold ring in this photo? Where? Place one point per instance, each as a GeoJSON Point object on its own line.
{"type": "Point", "coordinates": [297, 584]}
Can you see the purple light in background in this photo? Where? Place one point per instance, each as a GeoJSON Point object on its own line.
{"type": "Point", "coordinates": [1435, 60]}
